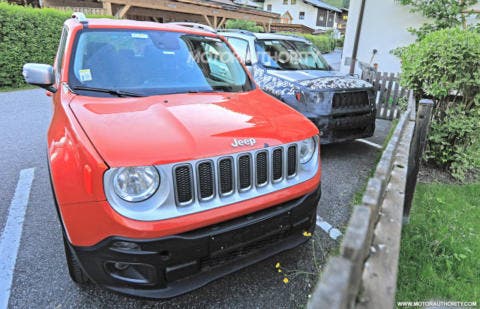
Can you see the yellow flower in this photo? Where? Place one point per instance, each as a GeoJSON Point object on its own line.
{"type": "Point", "coordinates": [277, 265]}
{"type": "Point", "coordinates": [279, 270]}
{"type": "Point", "coordinates": [285, 280]}
{"type": "Point", "coordinates": [307, 234]}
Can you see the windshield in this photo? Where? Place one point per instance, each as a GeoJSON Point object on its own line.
{"type": "Point", "coordinates": [289, 55]}
{"type": "Point", "coordinates": [143, 63]}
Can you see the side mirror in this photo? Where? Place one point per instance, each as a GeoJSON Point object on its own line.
{"type": "Point", "coordinates": [39, 75]}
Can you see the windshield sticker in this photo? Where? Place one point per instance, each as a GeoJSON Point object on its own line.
{"type": "Point", "coordinates": [268, 43]}
{"type": "Point", "coordinates": [140, 35]}
{"type": "Point", "coordinates": [165, 52]}
{"type": "Point", "coordinates": [85, 75]}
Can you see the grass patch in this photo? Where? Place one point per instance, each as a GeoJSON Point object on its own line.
{"type": "Point", "coordinates": [357, 198]}
{"type": "Point", "coordinates": [9, 89]}
{"type": "Point", "coordinates": [440, 248]}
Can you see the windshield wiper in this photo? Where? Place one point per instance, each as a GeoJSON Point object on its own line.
{"type": "Point", "coordinates": [118, 93]}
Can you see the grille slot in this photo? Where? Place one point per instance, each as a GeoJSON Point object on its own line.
{"type": "Point", "coordinates": [292, 161]}
{"type": "Point", "coordinates": [206, 181]}
{"type": "Point", "coordinates": [244, 172]}
{"type": "Point", "coordinates": [225, 170]}
{"type": "Point", "coordinates": [183, 184]}
{"type": "Point", "coordinates": [277, 164]}
{"type": "Point", "coordinates": [348, 100]}
{"type": "Point", "coordinates": [262, 168]}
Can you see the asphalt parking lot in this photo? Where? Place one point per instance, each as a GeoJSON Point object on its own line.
{"type": "Point", "coordinates": [40, 277]}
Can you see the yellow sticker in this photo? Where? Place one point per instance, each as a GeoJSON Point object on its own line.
{"type": "Point", "coordinates": [85, 75]}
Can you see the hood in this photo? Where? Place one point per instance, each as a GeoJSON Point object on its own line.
{"type": "Point", "coordinates": [181, 127]}
{"type": "Point", "coordinates": [321, 80]}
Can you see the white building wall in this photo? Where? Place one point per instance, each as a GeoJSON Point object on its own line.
{"type": "Point", "coordinates": [294, 10]}
{"type": "Point", "coordinates": [385, 27]}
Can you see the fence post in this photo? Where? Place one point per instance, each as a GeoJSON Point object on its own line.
{"type": "Point", "coordinates": [419, 141]}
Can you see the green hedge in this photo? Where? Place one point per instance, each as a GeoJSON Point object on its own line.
{"type": "Point", "coordinates": [324, 42]}
{"type": "Point", "coordinates": [445, 65]}
{"type": "Point", "coordinates": [243, 24]}
{"type": "Point", "coordinates": [27, 35]}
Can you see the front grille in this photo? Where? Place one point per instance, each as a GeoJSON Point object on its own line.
{"type": "Point", "coordinates": [244, 172]}
{"type": "Point", "coordinates": [225, 169]}
{"type": "Point", "coordinates": [292, 161]}
{"type": "Point", "coordinates": [262, 169]}
{"type": "Point", "coordinates": [207, 179]}
{"type": "Point", "coordinates": [349, 100]}
{"type": "Point", "coordinates": [183, 183]}
{"type": "Point", "coordinates": [277, 164]}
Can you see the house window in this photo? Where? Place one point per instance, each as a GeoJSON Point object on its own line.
{"type": "Point", "coordinates": [345, 17]}
{"type": "Point", "coordinates": [293, 1]}
{"type": "Point", "coordinates": [301, 15]}
{"type": "Point", "coordinates": [269, 7]}
{"type": "Point", "coordinates": [285, 2]}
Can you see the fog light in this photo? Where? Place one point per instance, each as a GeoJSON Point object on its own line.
{"type": "Point", "coordinates": [121, 266]}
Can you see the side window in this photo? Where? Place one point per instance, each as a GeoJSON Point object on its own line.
{"type": "Point", "coordinates": [218, 69]}
{"type": "Point", "coordinates": [60, 53]}
{"type": "Point", "coordinates": [241, 48]}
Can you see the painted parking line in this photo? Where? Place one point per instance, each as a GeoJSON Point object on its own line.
{"type": "Point", "coordinates": [361, 140]}
{"type": "Point", "coordinates": [334, 233]}
{"type": "Point", "coordinates": [12, 233]}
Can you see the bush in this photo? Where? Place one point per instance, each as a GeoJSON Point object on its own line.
{"type": "Point", "coordinates": [27, 35]}
{"type": "Point", "coordinates": [243, 24]}
{"type": "Point", "coordinates": [324, 42]}
{"type": "Point", "coordinates": [340, 41]}
{"type": "Point", "coordinates": [445, 65]}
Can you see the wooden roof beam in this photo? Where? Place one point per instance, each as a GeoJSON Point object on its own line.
{"type": "Point", "coordinates": [123, 11]}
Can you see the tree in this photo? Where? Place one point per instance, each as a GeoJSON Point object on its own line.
{"type": "Point", "coordinates": [444, 13]}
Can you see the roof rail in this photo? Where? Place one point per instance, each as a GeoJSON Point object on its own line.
{"type": "Point", "coordinates": [246, 32]}
{"type": "Point", "coordinates": [195, 26]}
{"type": "Point", "coordinates": [80, 17]}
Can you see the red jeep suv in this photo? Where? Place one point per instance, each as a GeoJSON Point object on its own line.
{"type": "Point", "coordinates": [170, 167]}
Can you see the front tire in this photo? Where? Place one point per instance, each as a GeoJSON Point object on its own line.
{"type": "Point", "coordinates": [76, 272]}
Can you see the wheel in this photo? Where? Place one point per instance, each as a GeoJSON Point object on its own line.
{"type": "Point", "coordinates": [76, 272]}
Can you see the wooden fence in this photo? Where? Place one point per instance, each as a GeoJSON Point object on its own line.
{"type": "Point", "coordinates": [364, 276]}
{"type": "Point", "coordinates": [389, 93]}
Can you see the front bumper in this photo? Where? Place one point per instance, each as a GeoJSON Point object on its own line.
{"type": "Point", "coordinates": [176, 264]}
{"type": "Point", "coordinates": [339, 128]}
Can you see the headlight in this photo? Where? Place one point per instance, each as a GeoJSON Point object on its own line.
{"type": "Point", "coordinates": [316, 97]}
{"type": "Point", "coordinates": [307, 149]}
{"type": "Point", "coordinates": [136, 184]}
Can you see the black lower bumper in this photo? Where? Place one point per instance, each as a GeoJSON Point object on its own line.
{"type": "Point", "coordinates": [341, 128]}
{"type": "Point", "coordinates": [173, 265]}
